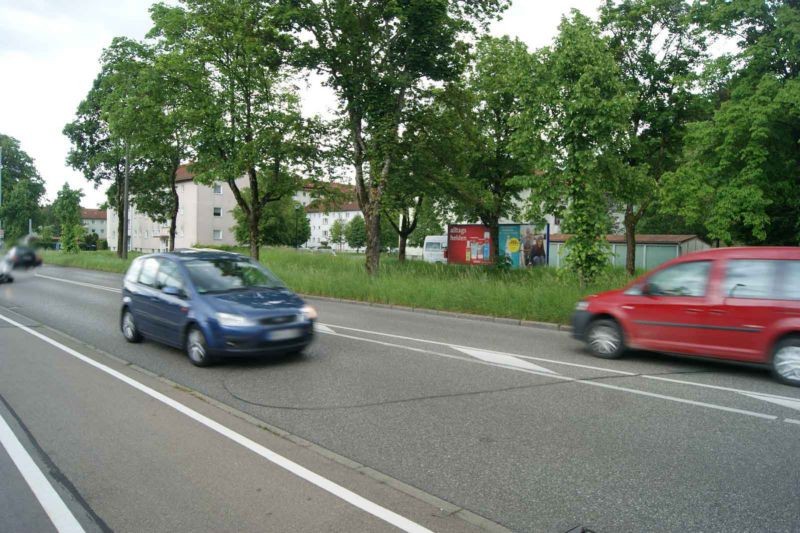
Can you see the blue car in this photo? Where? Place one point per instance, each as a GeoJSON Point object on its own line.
{"type": "Point", "coordinates": [213, 304]}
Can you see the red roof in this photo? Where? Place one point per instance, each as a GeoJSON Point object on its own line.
{"type": "Point", "coordinates": [183, 174]}
{"type": "Point", "coordinates": [97, 214]}
{"type": "Point", "coordinates": [640, 239]}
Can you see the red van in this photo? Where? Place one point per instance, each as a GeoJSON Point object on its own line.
{"type": "Point", "coordinates": [741, 304]}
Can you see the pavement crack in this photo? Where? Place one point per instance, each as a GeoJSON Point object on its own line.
{"type": "Point", "coordinates": [390, 402]}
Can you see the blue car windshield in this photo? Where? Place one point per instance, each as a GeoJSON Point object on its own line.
{"type": "Point", "coordinates": [228, 274]}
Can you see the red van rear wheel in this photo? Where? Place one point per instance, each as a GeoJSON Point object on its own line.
{"type": "Point", "coordinates": [604, 339]}
{"type": "Point", "coordinates": [786, 361]}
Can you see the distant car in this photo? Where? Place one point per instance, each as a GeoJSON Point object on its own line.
{"type": "Point", "coordinates": [5, 271]}
{"type": "Point", "coordinates": [213, 304]}
{"type": "Point", "coordinates": [741, 304]}
{"type": "Point", "coordinates": [23, 257]}
{"type": "Point", "coordinates": [434, 249]}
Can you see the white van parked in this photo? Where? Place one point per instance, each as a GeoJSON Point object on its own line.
{"type": "Point", "coordinates": [435, 249]}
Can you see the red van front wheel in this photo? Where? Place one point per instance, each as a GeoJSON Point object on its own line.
{"type": "Point", "coordinates": [786, 361]}
{"type": "Point", "coordinates": [604, 339]}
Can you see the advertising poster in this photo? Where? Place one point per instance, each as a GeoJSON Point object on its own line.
{"type": "Point", "coordinates": [523, 245]}
{"type": "Point", "coordinates": [469, 244]}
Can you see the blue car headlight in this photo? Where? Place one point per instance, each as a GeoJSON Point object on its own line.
{"type": "Point", "coordinates": [229, 320]}
{"type": "Point", "coordinates": [309, 312]}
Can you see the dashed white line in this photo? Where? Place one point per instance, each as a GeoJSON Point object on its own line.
{"type": "Point", "coordinates": [791, 421]}
{"type": "Point", "coordinates": [58, 512]}
{"type": "Point", "coordinates": [80, 283]}
{"type": "Point", "coordinates": [350, 497]}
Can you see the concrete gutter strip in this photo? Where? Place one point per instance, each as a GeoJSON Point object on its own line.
{"type": "Point", "coordinates": [468, 316]}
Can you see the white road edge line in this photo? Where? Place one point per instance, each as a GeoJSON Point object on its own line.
{"type": "Point", "coordinates": [90, 285]}
{"type": "Point", "coordinates": [350, 497]}
{"type": "Point", "coordinates": [564, 378]}
{"type": "Point", "coordinates": [58, 512]}
{"type": "Point", "coordinates": [791, 421]}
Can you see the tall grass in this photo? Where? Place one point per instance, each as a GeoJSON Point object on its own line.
{"type": "Point", "coordinates": [542, 294]}
{"type": "Point", "coordinates": [105, 260]}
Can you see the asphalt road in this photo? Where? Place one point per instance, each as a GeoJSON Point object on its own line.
{"type": "Point", "coordinates": [515, 424]}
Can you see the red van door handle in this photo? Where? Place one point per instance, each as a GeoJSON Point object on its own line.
{"type": "Point", "coordinates": [693, 311]}
{"type": "Point", "coordinates": [717, 312]}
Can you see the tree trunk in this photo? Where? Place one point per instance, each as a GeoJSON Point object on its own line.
{"type": "Point", "coordinates": [120, 221]}
{"type": "Point", "coordinates": [401, 252]}
{"type": "Point", "coordinates": [372, 219]}
{"type": "Point", "coordinates": [173, 219]}
{"type": "Point", "coordinates": [494, 233]}
{"type": "Point", "coordinates": [630, 241]}
{"type": "Point", "coordinates": [253, 220]}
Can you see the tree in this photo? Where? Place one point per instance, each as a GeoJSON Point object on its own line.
{"type": "Point", "coordinates": [428, 223]}
{"type": "Point", "coordinates": [574, 132]}
{"type": "Point", "coordinates": [145, 104]}
{"type": "Point", "coordinates": [99, 155]}
{"type": "Point", "coordinates": [67, 206]}
{"type": "Point", "coordinates": [20, 206]}
{"type": "Point", "coordinates": [337, 232]}
{"type": "Point", "coordinates": [71, 238]}
{"type": "Point", "coordinates": [283, 223]}
{"type": "Point", "coordinates": [22, 191]}
{"type": "Point", "coordinates": [245, 114]}
{"type": "Point", "coordinates": [375, 55]}
{"type": "Point", "coordinates": [659, 48]}
{"type": "Point", "coordinates": [488, 110]}
{"type": "Point", "coordinates": [738, 174]}
{"type": "Point", "coordinates": [356, 233]}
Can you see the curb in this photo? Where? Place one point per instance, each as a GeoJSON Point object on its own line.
{"type": "Point", "coordinates": [551, 326]}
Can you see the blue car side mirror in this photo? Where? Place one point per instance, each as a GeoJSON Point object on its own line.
{"type": "Point", "coordinates": [173, 291]}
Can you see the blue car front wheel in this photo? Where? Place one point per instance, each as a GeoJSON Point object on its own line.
{"type": "Point", "coordinates": [196, 348]}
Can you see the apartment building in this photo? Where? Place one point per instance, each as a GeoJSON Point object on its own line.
{"type": "Point", "coordinates": [94, 221]}
{"type": "Point", "coordinates": [205, 216]}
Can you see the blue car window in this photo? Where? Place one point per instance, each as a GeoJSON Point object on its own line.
{"type": "Point", "coordinates": [169, 276]}
{"type": "Point", "coordinates": [227, 274]}
{"type": "Point", "coordinates": [148, 274]}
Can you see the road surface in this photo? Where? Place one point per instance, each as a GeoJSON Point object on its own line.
{"type": "Point", "coordinates": [447, 423]}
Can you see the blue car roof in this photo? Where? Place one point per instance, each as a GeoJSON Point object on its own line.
{"type": "Point", "coordinates": [191, 254]}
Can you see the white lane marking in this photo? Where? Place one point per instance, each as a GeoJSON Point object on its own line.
{"type": "Point", "coordinates": [458, 346]}
{"type": "Point", "coordinates": [791, 421]}
{"type": "Point", "coordinates": [58, 512]}
{"type": "Point", "coordinates": [503, 359]}
{"type": "Point", "coordinates": [589, 367]}
{"type": "Point", "coordinates": [717, 387]}
{"type": "Point", "coordinates": [322, 328]}
{"type": "Point", "coordinates": [315, 479]}
{"type": "Point", "coordinates": [792, 404]}
{"type": "Point", "coordinates": [90, 285]}
{"type": "Point", "coordinates": [568, 379]}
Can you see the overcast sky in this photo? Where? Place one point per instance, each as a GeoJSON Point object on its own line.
{"type": "Point", "coordinates": [49, 51]}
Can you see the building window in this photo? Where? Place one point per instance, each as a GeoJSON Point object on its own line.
{"type": "Point", "coordinates": [217, 234]}
{"type": "Point", "coordinates": [217, 188]}
{"type": "Point", "coordinates": [217, 211]}
{"type": "Point", "coordinates": [325, 221]}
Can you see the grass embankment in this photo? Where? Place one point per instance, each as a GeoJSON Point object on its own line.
{"type": "Point", "coordinates": [542, 294]}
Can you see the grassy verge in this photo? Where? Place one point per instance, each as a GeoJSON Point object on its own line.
{"type": "Point", "coordinates": [106, 260]}
{"type": "Point", "coordinates": [542, 294]}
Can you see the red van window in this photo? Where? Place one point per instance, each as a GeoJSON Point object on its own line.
{"type": "Point", "coordinates": [750, 278]}
{"type": "Point", "coordinates": [683, 279]}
